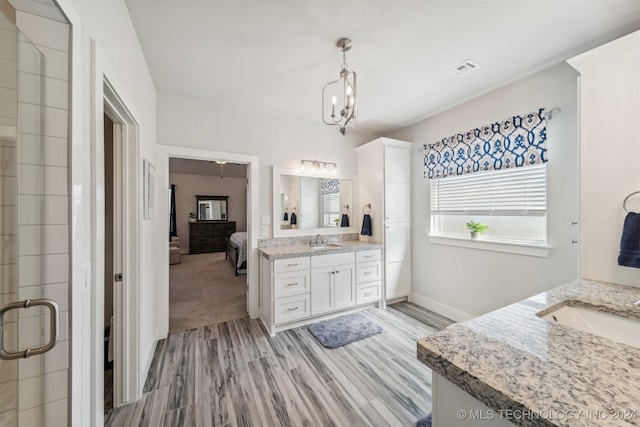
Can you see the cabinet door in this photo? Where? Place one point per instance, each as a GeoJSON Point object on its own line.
{"type": "Point", "coordinates": [321, 290]}
{"type": "Point", "coordinates": [397, 260]}
{"type": "Point", "coordinates": [344, 282]}
{"type": "Point", "coordinates": [397, 175]}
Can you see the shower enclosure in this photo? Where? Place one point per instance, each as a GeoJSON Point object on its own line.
{"type": "Point", "coordinates": [28, 320]}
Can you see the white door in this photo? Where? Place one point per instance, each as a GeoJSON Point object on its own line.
{"type": "Point", "coordinates": [322, 298]}
{"type": "Point", "coordinates": [397, 259]}
{"type": "Point", "coordinates": [397, 167]}
{"type": "Point", "coordinates": [344, 284]}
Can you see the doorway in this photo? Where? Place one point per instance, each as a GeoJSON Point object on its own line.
{"type": "Point", "coordinates": [208, 232]}
{"type": "Point", "coordinates": [163, 154]}
{"type": "Point", "coordinates": [112, 251]}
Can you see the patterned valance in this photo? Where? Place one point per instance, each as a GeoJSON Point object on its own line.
{"type": "Point", "coordinates": [513, 142]}
{"type": "Point", "coordinates": [329, 186]}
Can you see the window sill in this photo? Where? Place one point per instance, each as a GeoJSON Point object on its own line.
{"type": "Point", "coordinates": [529, 249]}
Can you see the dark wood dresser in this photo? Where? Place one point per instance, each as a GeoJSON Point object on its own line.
{"type": "Point", "coordinates": [209, 236]}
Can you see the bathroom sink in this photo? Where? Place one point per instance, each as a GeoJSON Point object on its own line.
{"type": "Point", "coordinates": [326, 246]}
{"type": "Point", "coordinates": [621, 329]}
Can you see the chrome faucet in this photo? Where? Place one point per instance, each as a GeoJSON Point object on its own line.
{"type": "Point", "coordinates": [637, 304]}
{"type": "Point", "coordinates": [317, 240]}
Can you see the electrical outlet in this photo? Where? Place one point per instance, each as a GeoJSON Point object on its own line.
{"type": "Point", "coordinates": [263, 231]}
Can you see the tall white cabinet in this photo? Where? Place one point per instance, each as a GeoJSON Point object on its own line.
{"type": "Point", "coordinates": [384, 181]}
{"type": "Point", "coordinates": [609, 107]}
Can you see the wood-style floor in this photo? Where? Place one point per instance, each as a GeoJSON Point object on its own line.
{"type": "Point", "coordinates": [234, 374]}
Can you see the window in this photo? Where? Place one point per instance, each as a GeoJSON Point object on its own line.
{"type": "Point", "coordinates": [512, 202]}
{"type": "Point", "coordinates": [331, 207]}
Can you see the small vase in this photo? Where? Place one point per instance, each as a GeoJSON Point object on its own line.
{"type": "Point", "coordinates": [475, 235]}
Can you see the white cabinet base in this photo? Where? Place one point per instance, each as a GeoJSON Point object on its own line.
{"type": "Point", "coordinates": [453, 407]}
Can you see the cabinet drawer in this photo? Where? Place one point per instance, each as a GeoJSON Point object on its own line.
{"type": "Point", "coordinates": [291, 264]}
{"type": "Point", "coordinates": [368, 255]}
{"type": "Point", "coordinates": [330, 260]}
{"type": "Point", "coordinates": [368, 271]}
{"type": "Point", "coordinates": [294, 283]}
{"type": "Point", "coordinates": [291, 308]}
{"type": "Point", "coordinates": [369, 292]}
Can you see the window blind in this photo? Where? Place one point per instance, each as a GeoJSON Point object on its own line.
{"type": "Point", "coordinates": [517, 191]}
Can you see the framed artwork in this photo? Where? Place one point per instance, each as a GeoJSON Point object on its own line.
{"type": "Point", "coordinates": [149, 190]}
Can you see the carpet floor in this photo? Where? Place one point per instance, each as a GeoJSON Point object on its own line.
{"type": "Point", "coordinates": [203, 290]}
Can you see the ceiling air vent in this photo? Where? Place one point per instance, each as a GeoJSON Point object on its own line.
{"type": "Point", "coordinates": [464, 68]}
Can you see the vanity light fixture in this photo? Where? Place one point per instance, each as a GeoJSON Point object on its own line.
{"type": "Point", "coordinates": [317, 167]}
{"type": "Point", "coordinates": [344, 89]}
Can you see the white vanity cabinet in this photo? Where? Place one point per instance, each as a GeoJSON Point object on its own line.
{"type": "Point", "coordinates": [384, 182]}
{"type": "Point", "coordinates": [368, 276]}
{"type": "Point", "coordinates": [300, 290]}
{"type": "Point", "coordinates": [333, 284]}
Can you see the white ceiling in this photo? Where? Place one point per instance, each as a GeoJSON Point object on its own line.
{"type": "Point", "coordinates": [275, 56]}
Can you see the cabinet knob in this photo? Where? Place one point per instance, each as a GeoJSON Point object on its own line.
{"type": "Point", "coordinates": [292, 284]}
{"type": "Point", "coordinates": [292, 265]}
{"type": "Point", "coordinates": [292, 308]}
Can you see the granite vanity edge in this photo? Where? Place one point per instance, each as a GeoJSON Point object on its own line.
{"type": "Point", "coordinates": [432, 350]}
{"type": "Point", "coordinates": [284, 252]}
{"type": "Point", "coordinates": [475, 387]}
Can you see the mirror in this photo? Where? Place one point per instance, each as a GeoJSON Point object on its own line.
{"type": "Point", "coordinates": [211, 208]}
{"type": "Point", "coordinates": [312, 204]}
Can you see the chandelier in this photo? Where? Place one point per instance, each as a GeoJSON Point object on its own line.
{"type": "Point", "coordinates": [344, 90]}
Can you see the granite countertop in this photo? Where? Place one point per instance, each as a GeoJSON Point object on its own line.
{"type": "Point", "coordinates": [293, 251]}
{"type": "Point", "coordinates": [511, 359]}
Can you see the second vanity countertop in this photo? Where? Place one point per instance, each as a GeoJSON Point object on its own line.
{"type": "Point", "coordinates": [513, 360]}
{"type": "Point", "coordinates": [293, 251]}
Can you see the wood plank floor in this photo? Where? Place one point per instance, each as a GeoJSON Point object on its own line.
{"type": "Point", "coordinates": [234, 374]}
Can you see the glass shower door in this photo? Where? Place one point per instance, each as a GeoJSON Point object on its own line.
{"type": "Point", "coordinates": [28, 321]}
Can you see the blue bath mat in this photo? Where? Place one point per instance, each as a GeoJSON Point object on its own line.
{"type": "Point", "coordinates": [344, 330]}
{"type": "Point", "coordinates": [424, 422]}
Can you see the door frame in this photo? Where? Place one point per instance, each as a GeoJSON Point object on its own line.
{"type": "Point", "coordinates": [126, 299]}
{"type": "Point", "coordinates": [163, 153]}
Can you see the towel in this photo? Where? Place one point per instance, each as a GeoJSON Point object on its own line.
{"type": "Point", "coordinates": [630, 242]}
{"type": "Point", "coordinates": [344, 222]}
{"type": "Point", "coordinates": [294, 219]}
{"type": "Point", "coordinates": [366, 226]}
{"type": "Point", "coordinates": [285, 217]}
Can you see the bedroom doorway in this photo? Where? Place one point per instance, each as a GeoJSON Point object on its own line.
{"type": "Point", "coordinates": [208, 223]}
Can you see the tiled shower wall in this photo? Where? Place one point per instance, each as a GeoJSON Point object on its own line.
{"type": "Point", "coordinates": [44, 238]}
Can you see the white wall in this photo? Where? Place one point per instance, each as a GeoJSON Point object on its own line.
{"type": "Point", "coordinates": [188, 186]}
{"type": "Point", "coordinates": [278, 141]}
{"type": "Point", "coordinates": [465, 282]}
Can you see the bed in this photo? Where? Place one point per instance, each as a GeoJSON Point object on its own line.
{"type": "Point", "coordinates": [237, 251]}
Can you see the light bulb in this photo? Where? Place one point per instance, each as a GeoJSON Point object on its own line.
{"type": "Point", "coordinates": [302, 166]}
{"type": "Point", "coordinates": [348, 90]}
{"type": "Point", "coordinates": [324, 168]}
{"type": "Point", "coordinates": [334, 100]}
{"type": "Point", "coordinates": [335, 169]}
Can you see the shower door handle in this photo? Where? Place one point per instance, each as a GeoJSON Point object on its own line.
{"type": "Point", "coordinates": [54, 330]}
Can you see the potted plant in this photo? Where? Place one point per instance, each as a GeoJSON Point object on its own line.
{"type": "Point", "coordinates": [192, 217]}
{"type": "Point", "coordinates": [476, 228]}
{"type": "Point", "coordinates": [337, 221]}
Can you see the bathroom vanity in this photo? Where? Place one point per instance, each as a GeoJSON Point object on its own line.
{"type": "Point", "coordinates": [528, 364]}
{"type": "Point", "coordinates": [301, 284]}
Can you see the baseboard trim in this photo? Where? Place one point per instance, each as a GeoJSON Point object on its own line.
{"type": "Point", "coordinates": [440, 308]}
